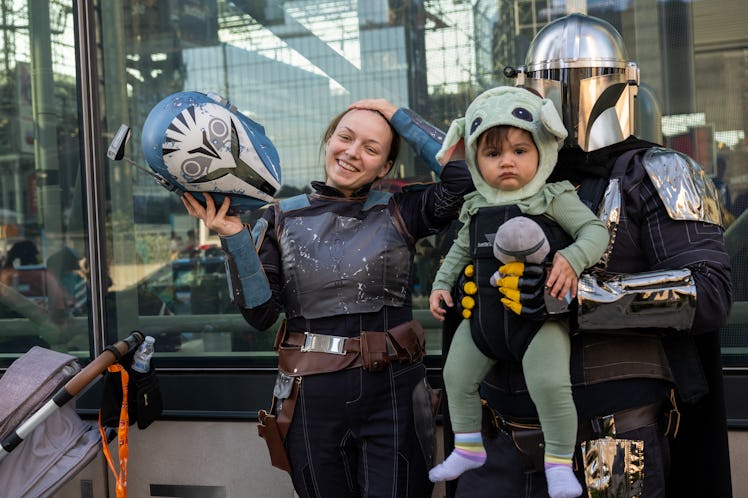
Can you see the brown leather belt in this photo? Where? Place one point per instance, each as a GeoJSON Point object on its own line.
{"type": "Point", "coordinates": [528, 437]}
{"type": "Point", "coordinates": [304, 353]}
{"type": "Point", "coordinates": [322, 343]}
{"type": "Point", "coordinates": [610, 425]}
{"type": "Point", "coordinates": [620, 422]}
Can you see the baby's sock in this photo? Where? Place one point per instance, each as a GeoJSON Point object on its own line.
{"type": "Point", "coordinates": [562, 483]}
{"type": "Point", "coordinates": [469, 453]}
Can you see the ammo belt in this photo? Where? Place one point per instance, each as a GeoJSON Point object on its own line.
{"type": "Point", "coordinates": [306, 353]}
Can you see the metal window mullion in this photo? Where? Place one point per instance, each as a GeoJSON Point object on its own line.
{"type": "Point", "coordinates": [92, 168]}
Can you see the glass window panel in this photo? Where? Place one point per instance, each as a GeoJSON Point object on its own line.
{"type": "Point", "coordinates": [43, 244]}
{"type": "Point", "coordinates": [292, 65]}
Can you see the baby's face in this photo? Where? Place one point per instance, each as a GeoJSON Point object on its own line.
{"type": "Point", "coordinates": [510, 163]}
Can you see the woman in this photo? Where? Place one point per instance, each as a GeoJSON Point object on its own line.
{"type": "Point", "coordinates": [339, 263]}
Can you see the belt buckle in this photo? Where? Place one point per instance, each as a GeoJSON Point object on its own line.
{"type": "Point", "coordinates": [323, 343]}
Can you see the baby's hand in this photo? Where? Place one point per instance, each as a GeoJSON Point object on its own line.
{"type": "Point", "coordinates": [435, 300]}
{"type": "Point", "coordinates": [562, 280]}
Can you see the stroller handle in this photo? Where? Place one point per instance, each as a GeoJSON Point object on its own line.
{"type": "Point", "coordinates": [111, 354]}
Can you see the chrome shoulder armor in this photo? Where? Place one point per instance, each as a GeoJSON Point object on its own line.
{"type": "Point", "coordinates": [684, 187]}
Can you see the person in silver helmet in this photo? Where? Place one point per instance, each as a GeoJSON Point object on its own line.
{"type": "Point", "coordinates": [645, 361]}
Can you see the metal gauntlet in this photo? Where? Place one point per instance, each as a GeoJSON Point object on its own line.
{"type": "Point", "coordinates": [661, 299]}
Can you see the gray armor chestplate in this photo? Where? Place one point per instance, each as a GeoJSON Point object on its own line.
{"type": "Point", "coordinates": [334, 265]}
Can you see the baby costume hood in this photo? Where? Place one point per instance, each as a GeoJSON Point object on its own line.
{"type": "Point", "coordinates": [513, 106]}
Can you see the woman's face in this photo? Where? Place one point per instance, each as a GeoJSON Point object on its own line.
{"type": "Point", "coordinates": [356, 152]}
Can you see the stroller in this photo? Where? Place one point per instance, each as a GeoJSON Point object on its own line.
{"type": "Point", "coordinates": [44, 441]}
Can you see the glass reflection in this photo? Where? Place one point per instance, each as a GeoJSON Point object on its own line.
{"type": "Point", "coordinates": [290, 65]}
{"type": "Point", "coordinates": [43, 276]}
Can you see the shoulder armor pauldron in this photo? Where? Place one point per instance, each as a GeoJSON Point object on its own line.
{"type": "Point", "coordinates": [684, 187]}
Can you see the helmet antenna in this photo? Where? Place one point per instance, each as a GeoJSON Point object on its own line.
{"type": "Point", "coordinates": [116, 152]}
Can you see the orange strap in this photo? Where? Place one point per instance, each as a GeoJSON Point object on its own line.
{"type": "Point", "coordinates": [122, 431]}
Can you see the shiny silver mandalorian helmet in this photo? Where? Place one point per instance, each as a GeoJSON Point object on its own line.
{"type": "Point", "coordinates": [580, 63]}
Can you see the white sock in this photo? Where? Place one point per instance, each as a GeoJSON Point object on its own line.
{"type": "Point", "coordinates": [562, 483]}
{"type": "Point", "coordinates": [453, 467]}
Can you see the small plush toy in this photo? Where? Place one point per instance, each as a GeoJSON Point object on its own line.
{"type": "Point", "coordinates": [519, 239]}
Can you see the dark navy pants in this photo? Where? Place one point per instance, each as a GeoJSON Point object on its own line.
{"type": "Point", "coordinates": [504, 474]}
{"type": "Point", "coordinates": [354, 435]}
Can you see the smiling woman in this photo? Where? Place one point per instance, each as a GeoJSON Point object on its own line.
{"type": "Point", "coordinates": [360, 147]}
{"type": "Point", "coordinates": [339, 263]}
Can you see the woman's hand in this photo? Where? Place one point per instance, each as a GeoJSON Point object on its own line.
{"type": "Point", "coordinates": [435, 303]}
{"type": "Point", "coordinates": [218, 221]}
{"type": "Point", "coordinates": [382, 106]}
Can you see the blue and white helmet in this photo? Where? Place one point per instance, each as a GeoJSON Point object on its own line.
{"type": "Point", "coordinates": [198, 142]}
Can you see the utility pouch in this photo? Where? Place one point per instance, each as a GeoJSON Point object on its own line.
{"type": "Point", "coordinates": [531, 446]}
{"type": "Point", "coordinates": [409, 340]}
{"type": "Point", "coordinates": [424, 417]}
{"type": "Point", "coordinates": [374, 354]}
{"type": "Point", "coordinates": [274, 428]}
{"type": "Point", "coordinates": [144, 401]}
{"type": "Point", "coordinates": [148, 402]}
{"type": "Point", "coordinates": [269, 431]}
{"type": "Point", "coordinates": [613, 468]}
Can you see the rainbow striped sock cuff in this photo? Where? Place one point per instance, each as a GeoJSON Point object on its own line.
{"type": "Point", "coordinates": [557, 461]}
{"type": "Point", "coordinates": [470, 445]}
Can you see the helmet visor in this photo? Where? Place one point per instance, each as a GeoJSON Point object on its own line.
{"type": "Point", "coordinates": [595, 103]}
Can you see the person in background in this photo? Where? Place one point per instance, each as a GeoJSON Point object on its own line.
{"type": "Point", "coordinates": [426, 262]}
{"type": "Point", "coordinates": [66, 266]}
{"type": "Point", "coordinates": [24, 272]}
{"type": "Point", "coordinates": [645, 356]}
{"type": "Point", "coordinates": [352, 405]}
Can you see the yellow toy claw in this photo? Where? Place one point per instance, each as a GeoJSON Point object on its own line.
{"type": "Point", "coordinates": [508, 282]}
{"type": "Point", "coordinates": [522, 289]}
{"type": "Point", "coordinates": [510, 294]}
{"type": "Point", "coordinates": [512, 305]}
{"type": "Point", "coordinates": [515, 268]}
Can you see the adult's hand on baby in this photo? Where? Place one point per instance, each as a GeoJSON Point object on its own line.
{"type": "Point", "coordinates": [216, 220]}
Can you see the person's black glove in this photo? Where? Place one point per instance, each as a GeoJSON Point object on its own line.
{"type": "Point", "coordinates": [523, 287]}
